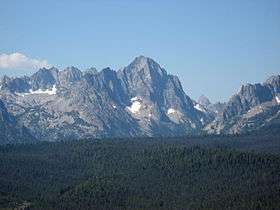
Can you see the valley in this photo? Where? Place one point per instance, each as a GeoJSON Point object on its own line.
{"type": "Point", "coordinates": [218, 172]}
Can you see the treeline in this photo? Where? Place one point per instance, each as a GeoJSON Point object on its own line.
{"type": "Point", "coordinates": [137, 174]}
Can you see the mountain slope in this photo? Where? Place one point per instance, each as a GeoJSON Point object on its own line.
{"type": "Point", "coordinates": [141, 99]}
{"type": "Point", "coordinates": [255, 107]}
{"type": "Point", "coordinates": [138, 100]}
{"type": "Point", "coordinates": [10, 130]}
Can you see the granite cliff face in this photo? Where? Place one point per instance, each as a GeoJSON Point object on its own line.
{"type": "Point", "coordinates": [10, 130]}
{"type": "Point", "coordinates": [215, 109]}
{"type": "Point", "coordinates": [255, 107]}
{"type": "Point", "coordinates": [138, 100]}
{"type": "Point", "coordinates": [141, 99]}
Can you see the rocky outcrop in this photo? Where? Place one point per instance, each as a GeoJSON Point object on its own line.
{"type": "Point", "coordinates": [254, 107]}
{"type": "Point", "coordinates": [141, 99]}
{"type": "Point", "coordinates": [10, 130]}
{"type": "Point", "coordinates": [138, 100]}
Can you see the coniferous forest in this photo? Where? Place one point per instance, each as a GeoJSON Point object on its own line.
{"type": "Point", "coordinates": [140, 105]}
{"type": "Point", "coordinates": [240, 172]}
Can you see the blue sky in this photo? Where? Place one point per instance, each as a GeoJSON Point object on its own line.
{"type": "Point", "coordinates": [214, 46]}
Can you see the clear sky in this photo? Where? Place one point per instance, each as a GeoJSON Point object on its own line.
{"type": "Point", "coordinates": [212, 45]}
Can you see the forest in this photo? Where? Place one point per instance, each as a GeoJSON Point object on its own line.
{"type": "Point", "coordinates": [225, 172]}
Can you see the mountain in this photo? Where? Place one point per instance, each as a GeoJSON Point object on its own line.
{"type": "Point", "coordinates": [253, 108]}
{"type": "Point", "coordinates": [141, 99]}
{"type": "Point", "coordinates": [204, 101]}
{"type": "Point", "coordinates": [10, 130]}
{"type": "Point", "coordinates": [214, 109]}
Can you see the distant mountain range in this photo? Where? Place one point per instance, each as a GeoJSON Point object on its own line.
{"type": "Point", "coordinates": [255, 107]}
{"type": "Point", "coordinates": [141, 99]}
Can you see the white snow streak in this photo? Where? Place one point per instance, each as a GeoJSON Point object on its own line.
{"type": "Point", "coordinates": [277, 99]}
{"type": "Point", "coordinates": [199, 108]}
{"type": "Point", "coordinates": [51, 91]}
{"type": "Point", "coordinates": [135, 106]}
{"type": "Point", "coordinates": [171, 111]}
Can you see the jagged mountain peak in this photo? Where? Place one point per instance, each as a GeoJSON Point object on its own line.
{"type": "Point", "coordinates": [140, 99]}
{"type": "Point", "coordinates": [253, 107]}
{"type": "Point", "coordinates": [106, 70]}
{"type": "Point", "coordinates": [71, 69]}
{"type": "Point", "coordinates": [91, 70]}
{"type": "Point", "coordinates": [273, 83]}
{"type": "Point", "coordinates": [44, 78]}
{"type": "Point", "coordinates": [143, 71]}
{"type": "Point", "coordinates": [69, 75]}
{"type": "Point", "coordinates": [142, 60]}
{"type": "Point", "coordinates": [146, 66]}
{"type": "Point", "coordinates": [75, 104]}
{"type": "Point", "coordinates": [44, 70]}
{"type": "Point", "coordinates": [203, 100]}
{"type": "Point", "coordinates": [272, 79]}
{"type": "Point", "coordinates": [107, 74]}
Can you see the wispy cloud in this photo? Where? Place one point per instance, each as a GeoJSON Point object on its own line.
{"type": "Point", "coordinates": [20, 61]}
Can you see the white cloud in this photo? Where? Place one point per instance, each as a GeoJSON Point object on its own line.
{"type": "Point", "coordinates": [21, 61]}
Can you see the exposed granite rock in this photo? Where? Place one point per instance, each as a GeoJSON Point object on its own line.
{"type": "Point", "coordinates": [71, 104]}
{"type": "Point", "coordinates": [10, 130]}
{"type": "Point", "coordinates": [254, 107]}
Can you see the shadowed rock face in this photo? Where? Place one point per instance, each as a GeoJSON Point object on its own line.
{"type": "Point", "coordinates": [255, 106]}
{"type": "Point", "coordinates": [10, 130]}
{"type": "Point", "coordinates": [214, 110]}
{"type": "Point", "coordinates": [273, 83]}
{"type": "Point", "coordinates": [252, 95]}
{"type": "Point", "coordinates": [4, 115]}
{"type": "Point", "coordinates": [204, 101]}
{"type": "Point", "coordinates": [141, 99]}
{"type": "Point", "coordinates": [248, 97]}
{"type": "Point", "coordinates": [134, 101]}
{"type": "Point", "coordinates": [69, 76]}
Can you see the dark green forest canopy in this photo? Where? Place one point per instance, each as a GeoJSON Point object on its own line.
{"type": "Point", "coordinates": [145, 173]}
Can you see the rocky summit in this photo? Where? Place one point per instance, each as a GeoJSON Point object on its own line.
{"type": "Point", "coordinates": [255, 107]}
{"type": "Point", "coordinates": [141, 99]}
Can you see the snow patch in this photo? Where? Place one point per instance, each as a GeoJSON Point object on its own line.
{"type": "Point", "coordinates": [171, 111]}
{"type": "Point", "coordinates": [135, 106]}
{"type": "Point", "coordinates": [199, 108]}
{"type": "Point", "coordinates": [51, 91]}
{"type": "Point", "coordinates": [277, 99]}
{"type": "Point", "coordinates": [193, 125]}
{"type": "Point", "coordinates": [134, 99]}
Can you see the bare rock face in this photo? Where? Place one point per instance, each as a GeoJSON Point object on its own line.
{"type": "Point", "coordinates": [214, 109]}
{"type": "Point", "coordinates": [255, 106]}
{"type": "Point", "coordinates": [141, 99]}
{"type": "Point", "coordinates": [158, 93]}
{"type": "Point", "coordinates": [204, 101]}
{"type": "Point", "coordinates": [138, 100]}
{"type": "Point", "coordinates": [10, 130]}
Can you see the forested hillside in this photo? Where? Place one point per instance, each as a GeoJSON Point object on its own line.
{"type": "Point", "coordinates": [140, 174]}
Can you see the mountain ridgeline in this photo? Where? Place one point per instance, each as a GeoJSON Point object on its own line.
{"type": "Point", "coordinates": [255, 108]}
{"type": "Point", "coordinates": [141, 99]}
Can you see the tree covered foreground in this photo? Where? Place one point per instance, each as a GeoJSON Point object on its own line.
{"type": "Point", "coordinates": [140, 174]}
